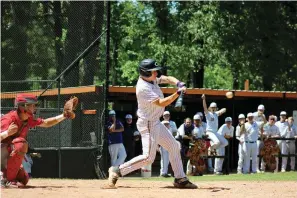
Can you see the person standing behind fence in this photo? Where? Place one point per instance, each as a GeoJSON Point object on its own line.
{"type": "Point", "coordinates": [173, 128]}
{"type": "Point", "coordinates": [128, 137]}
{"type": "Point", "coordinates": [164, 154]}
{"type": "Point", "coordinates": [227, 132]}
{"type": "Point", "coordinates": [241, 138]}
{"type": "Point", "coordinates": [250, 130]}
{"type": "Point", "coordinates": [260, 119]}
{"type": "Point", "coordinates": [15, 126]}
{"type": "Point", "coordinates": [282, 124]}
{"type": "Point", "coordinates": [184, 134]}
{"type": "Point", "coordinates": [288, 147]}
{"type": "Point", "coordinates": [270, 131]}
{"type": "Point", "coordinates": [115, 140]}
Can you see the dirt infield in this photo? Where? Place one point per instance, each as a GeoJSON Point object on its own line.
{"type": "Point", "coordinates": [54, 188]}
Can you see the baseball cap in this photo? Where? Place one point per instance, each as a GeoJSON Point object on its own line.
{"type": "Point", "coordinates": [241, 116]}
{"type": "Point", "coordinates": [200, 114]}
{"type": "Point", "coordinates": [128, 116]}
{"type": "Point", "coordinates": [283, 113]}
{"type": "Point", "coordinates": [213, 104]}
{"type": "Point", "coordinates": [250, 115]}
{"type": "Point", "coordinates": [136, 133]}
{"type": "Point", "coordinates": [228, 119]}
{"type": "Point", "coordinates": [166, 113]}
{"type": "Point", "coordinates": [165, 122]}
{"type": "Point", "coordinates": [149, 65]}
{"type": "Point", "coordinates": [197, 117]}
{"type": "Point", "coordinates": [261, 107]}
{"type": "Point", "coordinates": [111, 112]}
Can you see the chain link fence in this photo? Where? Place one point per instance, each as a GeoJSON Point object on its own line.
{"type": "Point", "coordinates": [56, 50]}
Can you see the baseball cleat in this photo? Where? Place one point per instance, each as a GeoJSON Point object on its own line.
{"type": "Point", "coordinates": [114, 174]}
{"type": "Point", "coordinates": [184, 183]}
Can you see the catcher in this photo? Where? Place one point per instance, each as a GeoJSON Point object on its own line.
{"type": "Point", "coordinates": [198, 149]}
{"type": "Point", "coordinates": [14, 129]}
{"type": "Point", "coordinates": [270, 150]}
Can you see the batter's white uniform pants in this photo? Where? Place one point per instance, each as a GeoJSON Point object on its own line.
{"type": "Point", "coordinates": [154, 133]}
{"type": "Point", "coordinates": [288, 148]}
{"type": "Point", "coordinates": [117, 154]}
{"type": "Point", "coordinates": [250, 151]}
{"type": "Point", "coordinates": [240, 157]}
{"type": "Point", "coordinates": [164, 161]}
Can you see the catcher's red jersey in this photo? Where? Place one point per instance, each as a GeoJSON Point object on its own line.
{"type": "Point", "coordinates": [13, 116]}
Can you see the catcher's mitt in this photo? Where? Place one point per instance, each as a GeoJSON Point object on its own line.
{"type": "Point", "coordinates": [69, 107]}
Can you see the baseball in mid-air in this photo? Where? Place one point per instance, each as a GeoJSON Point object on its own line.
{"type": "Point", "coordinates": [229, 94]}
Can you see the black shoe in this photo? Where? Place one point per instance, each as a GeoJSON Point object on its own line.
{"type": "Point", "coordinates": [165, 175]}
{"type": "Point", "coordinates": [184, 183]}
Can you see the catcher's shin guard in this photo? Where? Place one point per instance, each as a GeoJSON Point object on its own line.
{"type": "Point", "coordinates": [20, 148]}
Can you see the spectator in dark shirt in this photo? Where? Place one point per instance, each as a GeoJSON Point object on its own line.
{"type": "Point", "coordinates": [115, 140]}
{"type": "Point", "coordinates": [128, 137]}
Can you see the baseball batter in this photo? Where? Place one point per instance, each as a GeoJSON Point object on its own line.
{"type": "Point", "coordinates": [14, 129]}
{"type": "Point", "coordinates": [151, 104]}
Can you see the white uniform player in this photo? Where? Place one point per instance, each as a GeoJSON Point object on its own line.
{"type": "Point", "coordinates": [270, 130]}
{"type": "Point", "coordinates": [227, 132]}
{"type": "Point", "coordinates": [282, 124]}
{"type": "Point", "coordinates": [260, 119]}
{"type": "Point", "coordinates": [288, 147]}
{"type": "Point", "coordinates": [250, 144]}
{"type": "Point", "coordinates": [212, 125]}
{"type": "Point", "coordinates": [197, 133]}
{"type": "Point", "coordinates": [241, 138]}
{"type": "Point", "coordinates": [151, 104]}
{"type": "Point", "coordinates": [202, 123]}
{"type": "Point", "coordinates": [164, 154]}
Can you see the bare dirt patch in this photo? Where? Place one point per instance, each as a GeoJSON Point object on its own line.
{"type": "Point", "coordinates": [54, 188]}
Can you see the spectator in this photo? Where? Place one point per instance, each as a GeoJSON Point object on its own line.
{"type": "Point", "coordinates": [115, 139]}
{"type": "Point", "coordinates": [226, 131]}
{"type": "Point", "coordinates": [28, 161]}
{"type": "Point", "coordinates": [173, 128]}
{"type": "Point", "coordinates": [128, 137]}
{"type": "Point", "coordinates": [270, 131]}
{"type": "Point", "coordinates": [288, 147]}
{"type": "Point", "coordinates": [240, 137]}
{"type": "Point", "coordinates": [282, 124]}
{"type": "Point", "coordinates": [260, 119]}
{"type": "Point", "coordinates": [164, 154]}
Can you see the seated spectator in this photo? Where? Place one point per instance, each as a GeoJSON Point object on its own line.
{"type": "Point", "coordinates": [173, 128]}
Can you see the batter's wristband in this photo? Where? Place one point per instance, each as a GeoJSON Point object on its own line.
{"type": "Point", "coordinates": [180, 84]}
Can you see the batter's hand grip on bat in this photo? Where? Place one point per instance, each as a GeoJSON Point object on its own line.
{"type": "Point", "coordinates": [179, 102]}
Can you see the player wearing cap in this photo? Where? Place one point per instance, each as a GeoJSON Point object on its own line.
{"type": "Point", "coordinates": [151, 104]}
{"type": "Point", "coordinates": [173, 128]}
{"type": "Point", "coordinates": [282, 124]}
{"type": "Point", "coordinates": [212, 124]}
{"type": "Point", "coordinates": [241, 138]}
{"type": "Point", "coordinates": [14, 129]}
{"type": "Point", "coordinates": [115, 140]}
{"type": "Point", "coordinates": [288, 146]}
{"type": "Point", "coordinates": [164, 154]}
{"type": "Point", "coordinates": [197, 133]}
{"type": "Point", "coordinates": [128, 137]}
{"type": "Point", "coordinates": [270, 131]}
{"type": "Point", "coordinates": [250, 130]}
{"type": "Point", "coordinates": [202, 123]}
{"type": "Point", "coordinates": [260, 119]}
{"type": "Point", "coordinates": [226, 131]}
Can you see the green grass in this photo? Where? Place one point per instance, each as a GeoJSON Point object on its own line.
{"type": "Point", "coordinates": [288, 176]}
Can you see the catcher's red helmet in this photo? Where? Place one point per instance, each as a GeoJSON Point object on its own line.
{"type": "Point", "coordinates": [22, 99]}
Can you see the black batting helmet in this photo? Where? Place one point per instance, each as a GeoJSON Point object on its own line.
{"type": "Point", "coordinates": [146, 66]}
